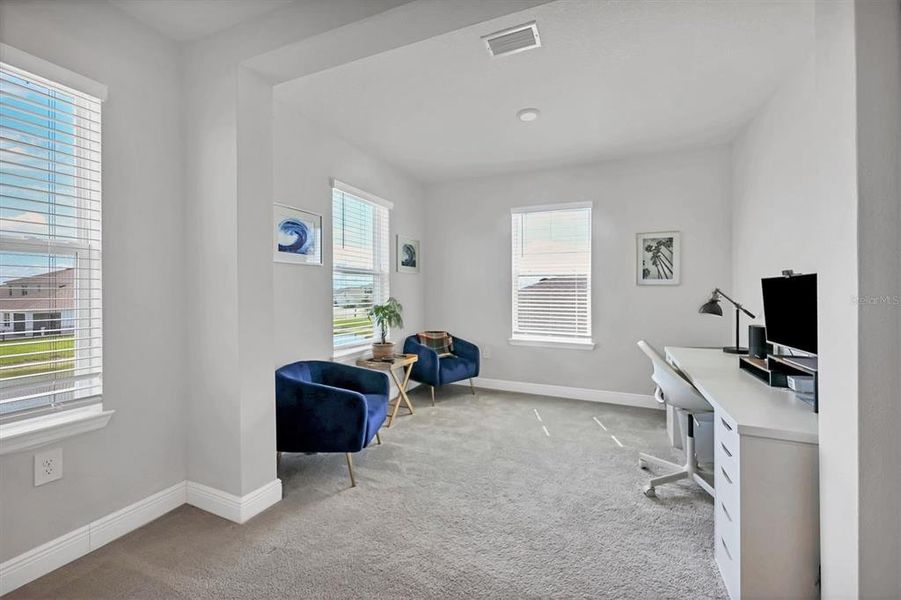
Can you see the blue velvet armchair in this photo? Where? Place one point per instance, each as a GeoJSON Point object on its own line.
{"type": "Point", "coordinates": [435, 371]}
{"type": "Point", "coordinates": [328, 407]}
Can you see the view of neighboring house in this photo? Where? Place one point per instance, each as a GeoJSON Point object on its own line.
{"type": "Point", "coordinates": [353, 296]}
{"type": "Point", "coordinates": [38, 305]}
{"type": "Point", "coordinates": [533, 301]}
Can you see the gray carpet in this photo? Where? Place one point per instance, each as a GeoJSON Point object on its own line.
{"type": "Point", "coordinates": [470, 499]}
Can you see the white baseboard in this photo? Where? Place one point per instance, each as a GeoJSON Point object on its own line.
{"type": "Point", "coordinates": [115, 525]}
{"type": "Point", "coordinates": [234, 508]}
{"type": "Point", "coordinates": [39, 561]}
{"type": "Point", "coordinates": [561, 391]}
{"type": "Point", "coordinates": [48, 557]}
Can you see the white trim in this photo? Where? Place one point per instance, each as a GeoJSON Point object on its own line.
{"type": "Point", "coordinates": [550, 207]}
{"type": "Point", "coordinates": [347, 353]}
{"type": "Point", "coordinates": [560, 391]}
{"type": "Point", "coordinates": [548, 342]}
{"type": "Point", "coordinates": [39, 561]}
{"type": "Point", "coordinates": [48, 557]}
{"type": "Point", "coordinates": [234, 508]}
{"type": "Point", "coordinates": [361, 194]}
{"type": "Point", "coordinates": [28, 434]}
{"type": "Point", "coordinates": [55, 73]}
{"type": "Point", "coordinates": [113, 526]}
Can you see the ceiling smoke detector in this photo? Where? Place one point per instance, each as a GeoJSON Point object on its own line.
{"type": "Point", "coordinates": [513, 39]}
{"type": "Point", "coordinates": [527, 115]}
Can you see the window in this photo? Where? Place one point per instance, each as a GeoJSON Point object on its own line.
{"type": "Point", "coordinates": [50, 350]}
{"type": "Point", "coordinates": [552, 275]}
{"type": "Point", "coordinates": [360, 271]}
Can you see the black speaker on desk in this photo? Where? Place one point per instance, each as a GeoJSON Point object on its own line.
{"type": "Point", "coordinates": [757, 346]}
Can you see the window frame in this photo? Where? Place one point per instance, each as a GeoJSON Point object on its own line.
{"type": "Point", "coordinates": [29, 428]}
{"type": "Point", "coordinates": [535, 339]}
{"type": "Point", "coordinates": [381, 255]}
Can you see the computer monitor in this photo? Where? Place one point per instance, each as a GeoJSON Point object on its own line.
{"type": "Point", "coordinates": [790, 311]}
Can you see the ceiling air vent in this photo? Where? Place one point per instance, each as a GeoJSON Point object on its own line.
{"type": "Point", "coordinates": [513, 40]}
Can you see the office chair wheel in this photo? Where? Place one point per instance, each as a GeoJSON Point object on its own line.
{"type": "Point", "coordinates": [650, 492]}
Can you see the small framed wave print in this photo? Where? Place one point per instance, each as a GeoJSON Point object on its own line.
{"type": "Point", "coordinates": [407, 255]}
{"type": "Point", "coordinates": [297, 236]}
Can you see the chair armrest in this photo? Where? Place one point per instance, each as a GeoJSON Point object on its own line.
{"type": "Point", "coordinates": [425, 369]}
{"type": "Point", "coordinates": [358, 379]}
{"type": "Point", "coordinates": [467, 351]}
{"type": "Point", "coordinates": [312, 417]}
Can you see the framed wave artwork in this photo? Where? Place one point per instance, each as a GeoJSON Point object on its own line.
{"type": "Point", "coordinates": [407, 255]}
{"type": "Point", "coordinates": [297, 236]}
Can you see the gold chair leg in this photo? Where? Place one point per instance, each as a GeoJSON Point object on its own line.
{"type": "Point", "coordinates": [378, 438]}
{"type": "Point", "coordinates": [432, 387]}
{"type": "Point", "coordinates": [350, 468]}
{"type": "Point", "coordinates": [472, 387]}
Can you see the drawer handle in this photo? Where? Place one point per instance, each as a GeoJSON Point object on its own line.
{"type": "Point", "coordinates": [726, 548]}
{"type": "Point", "coordinates": [726, 450]}
{"type": "Point", "coordinates": [726, 425]}
{"type": "Point", "coordinates": [726, 512]}
{"type": "Point", "coordinates": [726, 475]}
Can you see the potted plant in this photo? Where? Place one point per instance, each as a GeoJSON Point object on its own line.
{"type": "Point", "coordinates": [385, 316]}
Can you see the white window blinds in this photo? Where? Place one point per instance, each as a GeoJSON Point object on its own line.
{"type": "Point", "coordinates": [360, 266]}
{"type": "Point", "coordinates": [552, 273]}
{"type": "Point", "coordinates": [50, 275]}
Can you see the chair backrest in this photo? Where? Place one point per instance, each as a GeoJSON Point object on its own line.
{"type": "Point", "coordinates": [299, 370]}
{"type": "Point", "coordinates": [677, 391]}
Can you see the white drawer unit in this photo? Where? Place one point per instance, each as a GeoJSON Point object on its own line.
{"type": "Point", "coordinates": [766, 474]}
{"type": "Point", "coordinates": [767, 514]}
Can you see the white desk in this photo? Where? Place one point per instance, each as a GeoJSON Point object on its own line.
{"type": "Point", "coordinates": [766, 475]}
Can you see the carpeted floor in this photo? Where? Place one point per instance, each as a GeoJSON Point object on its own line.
{"type": "Point", "coordinates": [471, 499]}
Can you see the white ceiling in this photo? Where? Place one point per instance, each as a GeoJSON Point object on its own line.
{"type": "Point", "coordinates": [611, 79]}
{"type": "Point", "coordinates": [189, 20]}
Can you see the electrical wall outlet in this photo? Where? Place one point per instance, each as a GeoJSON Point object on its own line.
{"type": "Point", "coordinates": [48, 466]}
{"type": "Point", "coordinates": [486, 352]}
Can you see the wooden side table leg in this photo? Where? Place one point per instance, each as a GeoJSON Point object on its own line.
{"type": "Point", "coordinates": [403, 388]}
{"type": "Point", "coordinates": [397, 400]}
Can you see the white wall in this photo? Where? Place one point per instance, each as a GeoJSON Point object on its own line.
{"type": "Point", "coordinates": [227, 119]}
{"type": "Point", "coordinates": [878, 46]}
{"type": "Point", "coordinates": [467, 263]}
{"type": "Point", "coordinates": [141, 451]}
{"type": "Point", "coordinates": [306, 158]}
{"type": "Point", "coordinates": [795, 206]}
{"type": "Point", "coordinates": [774, 217]}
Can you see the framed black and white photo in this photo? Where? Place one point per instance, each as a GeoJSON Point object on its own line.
{"type": "Point", "coordinates": [297, 236]}
{"type": "Point", "coordinates": [407, 255]}
{"type": "Point", "coordinates": [658, 258]}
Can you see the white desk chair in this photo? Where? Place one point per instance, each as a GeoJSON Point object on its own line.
{"type": "Point", "coordinates": [673, 389]}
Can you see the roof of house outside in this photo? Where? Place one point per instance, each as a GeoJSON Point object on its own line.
{"type": "Point", "coordinates": [52, 291]}
{"type": "Point", "coordinates": [567, 283]}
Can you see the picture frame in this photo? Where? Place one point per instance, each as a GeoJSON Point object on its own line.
{"type": "Point", "coordinates": [658, 259]}
{"type": "Point", "coordinates": [296, 236]}
{"type": "Point", "coordinates": [408, 255]}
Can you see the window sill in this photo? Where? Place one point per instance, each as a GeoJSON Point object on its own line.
{"type": "Point", "coordinates": [26, 434]}
{"type": "Point", "coordinates": [351, 353]}
{"type": "Point", "coordinates": [542, 342]}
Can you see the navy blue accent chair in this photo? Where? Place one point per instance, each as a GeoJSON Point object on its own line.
{"type": "Point", "coordinates": [435, 371]}
{"type": "Point", "coordinates": [323, 406]}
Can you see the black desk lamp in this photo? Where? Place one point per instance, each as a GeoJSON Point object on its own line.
{"type": "Point", "coordinates": [712, 307]}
